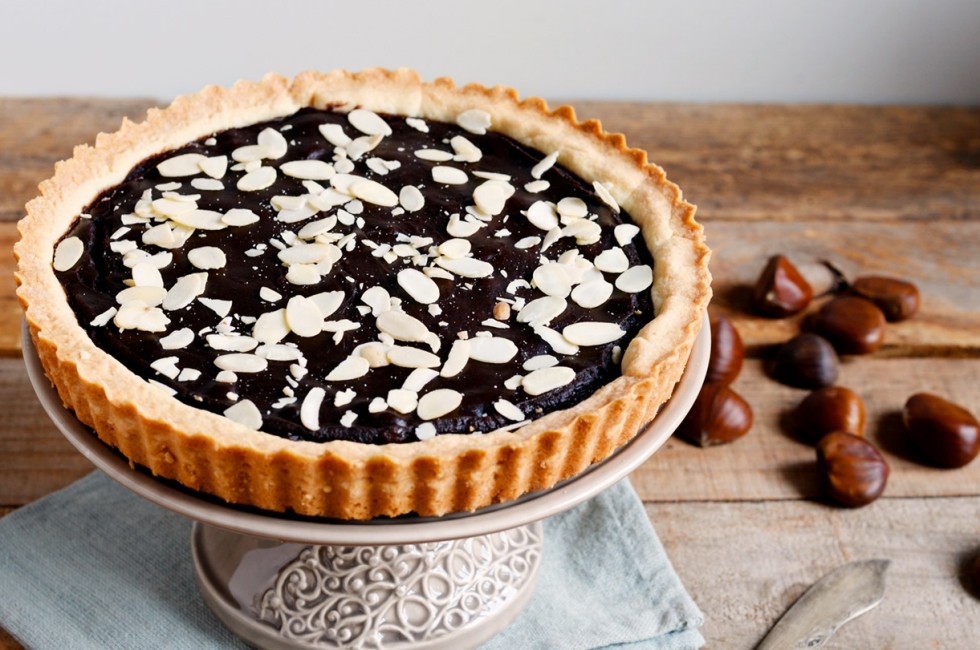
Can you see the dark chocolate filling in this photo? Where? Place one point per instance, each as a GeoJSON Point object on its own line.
{"type": "Point", "coordinates": [92, 284]}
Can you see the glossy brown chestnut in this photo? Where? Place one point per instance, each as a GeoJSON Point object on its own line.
{"type": "Point", "coordinates": [853, 472]}
{"type": "Point", "coordinates": [727, 352]}
{"type": "Point", "coordinates": [897, 299]}
{"type": "Point", "coordinates": [945, 433]}
{"type": "Point", "coordinates": [853, 325]}
{"type": "Point", "coordinates": [719, 416]}
{"type": "Point", "coordinates": [780, 290]}
{"type": "Point", "coordinates": [829, 409]}
{"type": "Point", "coordinates": [806, 361]}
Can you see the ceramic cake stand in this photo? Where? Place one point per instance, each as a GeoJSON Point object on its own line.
{"type": "Point", "coordinates": [281, 581]}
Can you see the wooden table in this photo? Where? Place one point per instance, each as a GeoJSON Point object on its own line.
{"type": "Point", "coordinates": [889, 190]}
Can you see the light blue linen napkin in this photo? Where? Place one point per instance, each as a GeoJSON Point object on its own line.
{"type": "Point", "coordinates": [95, 566]}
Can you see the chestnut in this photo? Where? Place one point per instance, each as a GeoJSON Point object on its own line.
{"type": "Point", "coordinates": [853, 471]}
{"type": "Point", "coordinates": [829, 409]}
{"type": "Point", "coordinates": [897, 299]}
{"type": "Point", "coordinates": [944, 432]}
{"type": "Point", "coordinates": [781, 290]}
{"type": "Point", "coordinates": [719, 416]}
{"type": "Point", "coordinates": [806, 361]}
{"type": "Point", "coordinates": [852, 324]}
{"type": "Point", "coordinates": [727, 351]}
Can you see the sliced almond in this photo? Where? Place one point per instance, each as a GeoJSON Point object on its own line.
{"type": "Point", "coordinates": [147, 275]}
{"type": "Point", "coordinates": [459, 355]}
{"type": "Point", "coordinates": [419, 286]}
{"type": "Point", "coordinates": [437, 403]}
{"type": "Point", "coordinates": [334, 134]}
{"type": "Point", "coordinates": [317, 228]}
{"type": "Point", "coordinates": [541, 311]}
{"type": "Point", "coordinates": [177, 339]}
{"type": "Point", "coordinates": [491, 196]}
{"type": "Point", "coordinates": [455, 248]}
{"type": "Point", "coordinates": [328, 302]}
{"type": "Point", "coordinates": [239, 217]}
{"type": "Point", "coordinates": [573, 207]}
{"type": "Point", "coordinates": [403, 401]}
{"type": "Point", "coordinates": [449, 175]}
{"type": "Point", "coordinates": [460, 228]}
{"type": "Point", "coordinates": [279, 352]}
{"type": "Point", "coordinates": [509, 410]}
{"type": "Point", "coordinates": [374, 192]}
{"type": "Point", "coordinates": [240, 362]}
{"type": "Point", "coordinates": [312, 170]}
{"type": "Point", "coordinates": [466, 267]}
{"type": "Point", "coordinates": [425, 431]}
{"type": "Point", "coordinates": [613, 260]}
{"type": "Point", "coordinates": [411, 198]}
{"type": "Point", "coordinates": [559, 344]}
{"type": "Point", "coordinates": [303, 317]}
{"type": "Point", "coordinates": [546, 163]}
{"type": "Point", "coordinates": [537, 186]}
{"type": "Point", "coordinates": [305, 253]}
{"type": "Point", "coordinates": [245, 413]}
{"type": "Point", "coordinates": [603, 192]}
{"type": "Point", "coordinates": [303, 274]}
{"type": "Point", "coordinates": [368, 122]}
{"type": "Point", "coordinates": [625, 232]}
{"type": "Point", "coordinates": [352, 367]}
{"type": "Point", "coordinates": [635, 279]}
{"type": "Point", "coordinates": [492, 349]}
{"type": "Point", "coordinates": [402, 327]}
{"type": "Point", "coordinates": [67, 254]}
{"type": "Point", "coordinates": [348, 418]}
{"type": "Point", "coordinates": [271, 327]}
{"type": "Point", "coordinates": [378, 299]}
{"type": "Point", "coordinates": [273, 142]}
{"type": "Point", "coordinates": [103, 318]}
{"type": "Point", "coordinates": [309, 412]}
{"type": "Point", "coordinates": [547, 379]}
{"type": "Point", "coordinates": [474, 120]}
{"type": "Point", "coordinates": [149, 296]}
{"type": "Point", "coordinates": [220, 307]}
{"type": "Point", "coordinates": [216, 167]}
{"type": "Point", "coordinates": [542, 215]}
{"type": "Point", "coordinates": [202, 219]}
{"type": "Point", "coordinates": [207, 257]}
{"type": "Point", "coordinates": [137, 315]}
{"type": "Point", "coordinates": [170, 207]}
{"type": "Point", "coordinates": [187, 164]}
{"type": "Point", "coordinates": [408, 357]}
{"type": "Point", "coordinates": [465, 150]}
{"type": "Point", "coordinates": [231, 343]}
{"type": "Point", "coordinates": [540, 361]}
{"type": "Point", "coordinates": [584, 231]}
{"type": "Point", "coordinates": [592, 333]}
{"type": "Point", "coordinates": [552, 280]}
{"type": "Point", "coordinates": [256, 180]}
{"type": "Point", "coordinates": [433, 155]}
{"type": "Point", "coordinates": [592, 294]}
{"type": "Point", "coordinates": [375, 352]}
{"type": "Point", "coordinates": [185, 290]}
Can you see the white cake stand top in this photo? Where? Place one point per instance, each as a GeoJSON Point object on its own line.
{"type": "Point", "coordinates": [401, 530]}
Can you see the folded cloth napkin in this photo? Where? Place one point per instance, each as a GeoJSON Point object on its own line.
{"type": "Point", "coordinates": [95, 566]}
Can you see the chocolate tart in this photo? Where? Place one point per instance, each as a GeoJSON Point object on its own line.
{"type": "Point", "coordinates": [360, 295]}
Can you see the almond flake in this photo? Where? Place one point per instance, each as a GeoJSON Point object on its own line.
{"type": "Point", "coordinates": [167, 366]}
{"type": "Point", "coordinates": [269, 295]}
{"type": "Point", "coordinates": [374, 192]}
{"type": "Point", "coordinates": [328, 301]}
{"type": "Point", "coordinates": [207, 257]}
{"type": "Point", "coordinates": [509, 410]}
{"type": "Point", "coordinates": [537, 186]}
{"type": "Point", "coordinates": [437, 403]}
{"type": "Point", "coordinates": [189, 374]}
{"type": "Point", "coordinates": [402, 327]}
{"type": "Point", "coordinates": [103, 318]}
{"type": "Point", "coordinates": [459, 228]}
{"type": "Point", "coordinates": [137, 315]}
{"type": "Point", "coordinates": [514, 382]}
{"type": "Point", "coordinates": [252, 153]}
{"type": "Point", "coordinates": [552, 279]}
{"type": "Point", "coordinates": [625, 232]}
{"type": "Point", "coordinates": [474, 120]}
{"type": "Point", "coordinates": [67, 254]}
{"type": "Point", "coordinates": [149, 296]}
{"type": "Point", "coordinates": [635, 279]}
{"type": "Point", "coordinates": [303, 274]}
{"type": "Point", "coordinates": [282, 352]}
{"type": "Point", "coordinates": [433, 155]}
{"type": "Point", "coordinates": [318, 227]}
{"type": "Point", "coordinates": [271, 327]}
{"type": "Point", "coordinates": [425, 431]}
{"type": "Point", "coordinates": [417, 123]}
{"type": "Point", "coordinates": [348, 418]}
{"type": "Point", "coordinates": [527, 242]}
{"type": "Point", "coordinates": [455, 248]}
{"type": "Point", "coordinates": [558, 343]}
{"type": "Point", "coordinates": [208, 184]}
{"type": "Point", "coordinates": [418, 378]}
{"type": "Point", "coordinates": [239, 362]}
{"type": "Point", "coordinates": [592, 333]}
{"type": "Point", "coordinates": [215, 167]}
{"type": "Point", "coordinates": [147, 275]}
{"type": "Point", "coordinates": [177, 339]}
{"type": "Point", "coordinates": [344, 397]}
{"type": "Point", "coordinates": [187, 164]}
{"type": "Point", "coordinates": [185, 290]}
{"type": "Point", "coordinates": [245, 413]}
{"type": "Point", "coordinates": [203, 219]}
{"type": "Point", "coordinates": [231, 343]}
{"type": "Point", "coordinates": [411, 198]}
{"type": "Point", "coordinates": [256, 180]}
{"type": "Point", "coordinates": [449, 175]}
{"type": "Point", "coordinates": [226, 377]}
{"type": "Point", "coordinates": [378, 299]}
{"type": "Point", "coordinates": [542, 215]}
{"type": "Point", "coordinates": [492, 349]}
{"type": "Point", "coordinates": [459, 355]}
{"type": "Point", "coordinates": [220, 307]}
{"type": "Point", "coordinates": [403, 401]}
{"type": "Point", "coordinates": [547, 379]}
{"type": "Point", "coordinates": [306, 253]}
{"type": "Point", "coordinates": [541, 311]}
{"type": "Point", "coordinates": [573, 207]}
{"type": "Point", "coordinates": [334, 134]}
{"type": "Point", "coordinates": [466, 267]}
{"type": "Point", "coordinates": [273, 142]}
{"type": "Point", "coordinates": [239, 217]}
{"type": "Point", "coordinates": [169, 207]}
{"type": "Point", "coordinates": [419, 286]}
{"type": "Point", "coordinates": [546, 163]}
{"type": "Point", "coordinates": [303, 317]}
{"type": "Point", "coordinates": [407, 357]}
{"type": "Point", "coordinates": [377, 405]}
{"type": "Point", "coordinates": [352, 367]}
{"type": "Point", "coordinates": [613, 260]}
{"type": "Point", "coordinates": [360, 146]}
{"type": "Point", "coordinates": [313, 170]}
{"type": "Point", "coordinates": [606, 196]}
{"type": "Point", "coordinates": [491, 196]}
{"type": "Point", "coordinates": [584, 231]}
{"type": "Point", "coordinates": [309, 412]}
{"type": "Point", "coordinates": [368, 122]}
{"type": "Point", "coordinates": [465, 150]}
{"type": "Point", "coordinates": [540, 361]}
{"type": "Point", "coordinates": [592, 294]}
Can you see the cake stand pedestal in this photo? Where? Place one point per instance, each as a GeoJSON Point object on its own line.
{"type": "Point", "coordinates": [433, 583]}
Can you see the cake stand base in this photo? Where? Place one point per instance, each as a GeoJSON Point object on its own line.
{"type": "Point", "coordinates": [433, 596]}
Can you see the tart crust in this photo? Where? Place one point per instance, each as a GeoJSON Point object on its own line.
{"type": "Point", "coordinates": [207, 452]}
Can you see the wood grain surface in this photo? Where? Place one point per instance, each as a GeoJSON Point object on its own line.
{"type": "Point", "coordinates": [875, 190]}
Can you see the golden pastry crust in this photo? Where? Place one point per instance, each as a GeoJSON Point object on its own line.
{"type": "Point", "coordinates": [210, 453]}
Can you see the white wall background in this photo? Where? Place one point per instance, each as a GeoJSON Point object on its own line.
{"type": "Point", "coordinates": [865, 51]}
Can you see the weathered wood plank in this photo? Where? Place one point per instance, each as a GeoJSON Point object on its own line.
{"type": "Point", "coordinates": [746, 563]}
{"type": "Point", "coordinates": [768, 463]}
{"type": "Point", "coordinates": [10, 311]}
{"type": "Point", "coordinates": [36, 133]}
{"type": "Point", "coordinates": [941, 257]}
{"type": "Point", "coordinates": [783, 162]}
